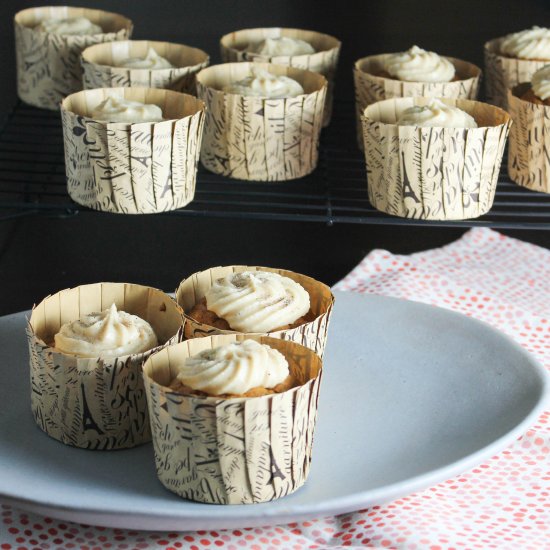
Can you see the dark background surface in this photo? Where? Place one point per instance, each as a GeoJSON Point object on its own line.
{"type": "Point", "coordinates": [40, 255]}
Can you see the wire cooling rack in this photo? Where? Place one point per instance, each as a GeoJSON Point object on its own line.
{"type": "Point", "coordinates": [32, 181]}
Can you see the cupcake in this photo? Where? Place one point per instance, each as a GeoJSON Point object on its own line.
{"type": "Point", "coordinates": [87, 345]}
{"type": "Point", "coordinates": [218, 445]}
{"type": "Point", "coordinates": [513, 59]}
{"type": "Point", "coordinates": [426, 159]}
{"type": "Point", "coordinates": [132, 150]}
{"type": "Point", "coordinates": [529, 107]}
{"type": "Point", "coordinates": [256, 300]}
{"type": "Point", "coordinates": [416, 72]}
{"type": "Point", "coordinates": [142, 63]}
{"type": "Point", "coordinates": [298, 48]}
{"type": "Point", "coordinates": [48, 43]}
{"type": "Point", "coordinates": [265, 135]}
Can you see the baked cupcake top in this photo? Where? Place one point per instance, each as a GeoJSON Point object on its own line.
{"type": "Point", "coordinates": [257, 301]}
{"type": "Point", "coordinates": [262, 83]}
{"type": "Point", "coordinates": [119, 109]}
{"type": "Point", "coordinates": [152, 60]}
{"type": "Point", "coordinates": [540, 83]}
{"type": "Point", "coordinates": [436, 114]}
{"type": "Point", "coordinates": [69, 26]}
{"type": "Point", "coordinates": [234, 368]}
{"type": "Point", "coordinates": [282, 45]}
{"type": "Point", "coordinates": [110, 333]}
{"type": "Point", "coordinates": [418, 65]}
{"type": "Point", "coordinates": [532, 43]}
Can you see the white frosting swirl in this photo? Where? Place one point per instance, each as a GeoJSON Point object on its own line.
{"type": "Point", "coordinates": [264, 84]}
{"type": "Point", "coordinates": [418, 65]}
{"type": "Point", "coordinates": [111, 333]}
{"type": "Point", "coordinates": [118, 109]}
{"type": "Point", "coordinates": [436, 113]}
{"type": "Point", "coordinates": [69, 26]}
{"type": "Point", "coordinates": [234, 368]}
{"type": "Point", "coordinates": [257, 301]}
{"type": "Point", "coordinates": [282, 45]}
{"type": "Point", "coordinates": [529, 44]}
{"type": "Point", "coordinates": [152, 60]}
{"type": "Point", "coordinates": [540, 83]}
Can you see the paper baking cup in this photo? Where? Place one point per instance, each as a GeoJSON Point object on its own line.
{"type": "Point", "coordinates": [528, 151]}
{"type": "Point", "coordinates": [100, 70]}
{"type": "Point", "coordinates": [502, 73]}
{"type": "Point", "coordinates": [258, 139]}
{"type": "Point", "coordinates": [313, 335]}
{"type": "Point", "coordinates": [139, 168]}
{"type": "Point", "coordinates": [48, 65]}
{"type": "Point", "coordinates": [324, 60]}
{"type": "Point", "coordinates": [433, 173]}
{"type": "Point", "coordinates": [237, 450]}
{"type": "Point", "coordinates": [95, 403]}
{"type": "Point", "coordinates": [370, 88]}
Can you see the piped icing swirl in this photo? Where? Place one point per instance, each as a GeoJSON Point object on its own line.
{"type": "Point", "coordinates": [283, 45]}
{"type": "Point", "coordinates": [118, 109]}
{"type": "Point", "coordinates": [532, 43]}
{"type": "Point", "coordinates": [234, 368]}
{"type": "Point", "coordinates": [69, 26]}
{"type": "Point", "coordinates": [152, 60]}
{"type": "Point", "coordinates": [262, 83]}
{"type": "Point", "coordinates": [111, 333]}
{"type": "Point", "coordinates": [436, 113]}
{"type": "Point", "coordinates": [418, 65]}
{"type": "Point", "coordinates": [540, 83]}
{"type": "Point", "coordinates": [257, 301]}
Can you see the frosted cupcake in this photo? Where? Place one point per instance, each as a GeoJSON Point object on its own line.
{"type": "Point", "coordinates": [298, 48]}
{"type": "Point", "coordinates": [513, 59]}
{"type": "Point", "coordinates": [412, 170]}
{"type": "Point", "coordinates": [142, 63]}
{"type": "Point", "coordinates": [132, 150]}
{"type": "Point", "coordinates": [234, 436]}
{"type": "Point", "coordinates": [415, 72]}
{"type": "Point", "coordinates": [48, 44]}
{"type": "Point", "coordinates": [87, 345]}
{"type": "Point", "coordinates": [257, 300]}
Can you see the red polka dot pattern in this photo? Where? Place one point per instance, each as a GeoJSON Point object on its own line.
{"type": "Point", "coordinates": [503, 503]}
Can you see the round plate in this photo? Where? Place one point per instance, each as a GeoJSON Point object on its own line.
{"type": "Point", "coordinates": [411, 395]}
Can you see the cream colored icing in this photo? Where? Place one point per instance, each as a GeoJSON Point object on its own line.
{"type": "Point", "coordinates": [69, 26]}
{"type": "Point", "coordinates": [436, 113]}
{"type": "Point", "coordinates": [111, 333]}
{"type": "Point", "coordinates": [532, 43]}
{"type": "Point", "coordinates": [264, 84]}
{"type": "Point", "coordinates": [257, 301]}
{"type": "Point", "coordinates": [282, 45]}
{"type": "Point", "coordinates": [234, 368]}
{"type": "Point", "coordinates": [418, 65]}
{"type": "Point", "coordinates": [118, 109]}
{"type": "Point", "coordinates": [540, 82]}
{"type": "Point", "coordinates": [152, 60]}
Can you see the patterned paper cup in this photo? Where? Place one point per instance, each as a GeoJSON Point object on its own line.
{"type": "Point", "coordinates": [433, 173]}
{"type": "Point", "coordinates": [370, 87]}
{"type": "Point", "coordinates": [139, 168]}
{"type": "Point", "coordinates": [258, 139]}
{"type": "Point", "coordinates": [48, 65]}
{"type": "Point", "coordinates": [502, 73]}
{"type": "Point", "coordinates": [101, 71]}
{"type": "Point", "coordinates": [528, 160]}
{"type": "Point", "coordinates": [324, 60]}
{"type": "Point", "coordinates": [95, 403]}
{"type": "Point", "coordinates": [235, 450]}
{"type": "Point", "coordinates": [313, 334]}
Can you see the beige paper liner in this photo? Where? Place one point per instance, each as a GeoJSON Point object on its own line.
{"type": "Point", "coordinates": [370, 88]}
{"type": "Point", "coordinates": [95, 403]}
{"type": "Point", "coordinates": [529, 147]}
{"type": "Point", "coordinates": [237, 450]}
{"type": "Point", "coordinates": [100, 70]}
{"type": "Point", "coordinates": [48, 65]}
{"type": "Point", "coordinates": [324, 60]}
{"type": "Point", "coordinates": [433, 173]}
{"type": "Point", "coordinates": [312, 335]}
{"type": "Point", "coordinates": [502, 73]}
{"type": "Point", "coordinates": [139, 168]}
{"type": "Point", "coordinates": [258, 139]}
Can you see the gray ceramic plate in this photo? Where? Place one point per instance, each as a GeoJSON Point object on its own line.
{"type": "Point", "coordinates": [411, 395]}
